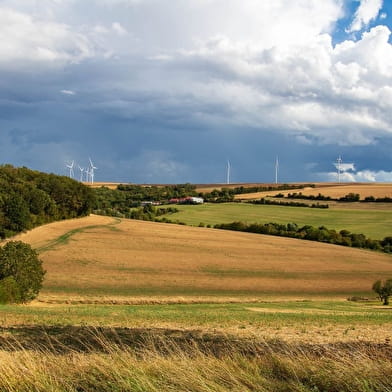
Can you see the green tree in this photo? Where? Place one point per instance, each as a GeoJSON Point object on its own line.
{"type": "Point", "coordinates": [383, 290]}
{"type": "Point", "coordinates": [9, 291]}
{"type": "Point", "coordinates": [17, 213]}
{"type": "Point", "coordinates": [21, 263]}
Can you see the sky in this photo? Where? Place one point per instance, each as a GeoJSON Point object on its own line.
{"type": "Point", "coordinates": [161, 91]}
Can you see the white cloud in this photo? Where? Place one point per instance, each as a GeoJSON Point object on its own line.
{"type": "Point", "coordinates": [345, 167]}
{"type": "Point", "coordinates": [359, 176]}
{"type": "Point", "coordinates": [118, 28]}
{"type": "Point", "coordinates": [24, 38]}
{"type": "Point", "coordinates": [99, 29]}
{"type": "Point", "coordinates": [279, 71]}
{"type": "Point", "coordinates": [68, 92]}
{"type": "Point", "coordinates": [367, 11]}
{"type": "Point", "coordinates": [333, 94]}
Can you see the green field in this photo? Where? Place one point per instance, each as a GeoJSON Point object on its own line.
{"type": "Point", "coordinates": [316, 321]}
{"type": "Point", "coordinates": [376, 224]}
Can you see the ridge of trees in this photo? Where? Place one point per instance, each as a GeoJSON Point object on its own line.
{"type": "Point", "coordinates": [308, 232]}
{"type": "Point", "coordinates": [287, 203]}
{"type": "Point", "coordinates": [130, 195]}
{"type": "Point", "coordinates": [350, 197]}
{"type": "Point", "coordinates": [146, 212]}
{"type": "Point", "coordinates": [30, 198]}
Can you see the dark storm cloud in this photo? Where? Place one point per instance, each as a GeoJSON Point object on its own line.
{"type": "Point", "coordinates": [158, 92]}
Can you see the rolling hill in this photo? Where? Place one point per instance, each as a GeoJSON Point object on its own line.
{"type": "Point", "coordinates": [111, 258]}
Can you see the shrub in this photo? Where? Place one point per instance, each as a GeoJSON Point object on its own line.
{"type": "Point", "coordinates": [20, 268]}
{"type": "Point", "coordinates": [383, 290]}
{"type": "Point", "coordinates": [9, 291]}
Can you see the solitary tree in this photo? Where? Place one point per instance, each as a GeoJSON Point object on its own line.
{"type": "Point", "coordinates": [21, 272]}
{"type": "Point", "coordinates": [383, 290]}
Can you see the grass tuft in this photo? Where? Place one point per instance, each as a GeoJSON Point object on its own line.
{"type": "Point", "coordinates": [162, 364]}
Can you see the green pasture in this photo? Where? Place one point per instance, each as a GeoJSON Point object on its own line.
{"type": "Point", "coordinates": [239, 315]}
{"type": "Point", "coordinates": [217, 294]}
{"type": "Point", "coordinates": [376, 224]}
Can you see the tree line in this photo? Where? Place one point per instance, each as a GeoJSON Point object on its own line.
{"type": "Point", "coordinates": [129, 195]}
{"type": "Point", "coordinates": [308, 232]}
{"type": "Point", "coordinates": [350, 197]}
{"type": "Point", "coordinates": [147, 212]}
{"type": "Point", "coordinates": [225, 194]}
{"type": "Point", "coordinates": [30, 198]}
{"type": "Point", "coordinates": [287, 203]}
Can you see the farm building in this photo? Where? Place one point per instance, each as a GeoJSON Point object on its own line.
{"type": "Point", "coordinates": [187, 200]}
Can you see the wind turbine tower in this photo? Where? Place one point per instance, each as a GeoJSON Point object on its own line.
{"type": "Point", "coordinates": [228, 172]}
{"type": "Point", "coordinates": [87, 171]}
{"type": "Point", "coordinates": [338, 165]}
{"type": "Point", "coordinates": [70, 167]}
{"type": "Point", "coordinates": [92, 168]}
{"type": "Point", "coordinates": [81, 173]}
{"type": "Point", "coordinates": [276, 169]}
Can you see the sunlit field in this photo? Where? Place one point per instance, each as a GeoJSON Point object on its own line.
{"type": "Point", "coordinates": [109, 257]}
{"type": "Point", "coordinates": [143, 306]}
{"type": "Point", "coordinates": [375, 223]}
{"type": "Point", "coordinates": [333, 190]}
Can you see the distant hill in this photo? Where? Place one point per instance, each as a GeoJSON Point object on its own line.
{"type": "Point", "coordinates": [31, 198]}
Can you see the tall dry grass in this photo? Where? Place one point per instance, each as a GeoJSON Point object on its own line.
{"type": "Point", "coordinates": [163, 364]}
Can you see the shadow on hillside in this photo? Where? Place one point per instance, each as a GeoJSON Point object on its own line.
{"type": "Point", "coordinates": [68, 339]}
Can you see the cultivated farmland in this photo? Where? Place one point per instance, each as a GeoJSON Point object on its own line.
{"type": "Point", "coordinates": [102, 256]}
{"type": "Point", "coordinates": [375, 223]}
{"type": "Point", "coordinates": [132, 305]}
{"type": "Point", "coordinates": [333, 190]}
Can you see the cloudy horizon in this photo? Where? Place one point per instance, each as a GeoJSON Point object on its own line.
{"type": "Point", "coordinates": [164, 92]}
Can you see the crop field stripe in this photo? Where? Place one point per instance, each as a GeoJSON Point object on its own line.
{"type": "Point", "coordinates": [64, 238]}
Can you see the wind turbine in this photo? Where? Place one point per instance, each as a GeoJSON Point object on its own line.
{"type": "Point", "coordinates": [86, 170]}
{"type": "Point", "coordinates": [338, 166]}
{"type": "Point", "coordinates": [276, 169]}
{"type": "Point", "coordinates": [228, 172]}
{"type": "Point", "coordinates": [81, 173]}
{"type": "Point", "coordinates": [70, 167]}
{"type": "Point", "coordinates": [92, 167]}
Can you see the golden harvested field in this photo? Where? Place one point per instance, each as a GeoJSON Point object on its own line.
{"type": "Point", "coordinates": [110, 185]}
{"type": "Point", "coordinates": [333, 190]}
{"type": "Point", "coordinates": [211, 187]}
{"type": "Point", "coordinates": [111, 258]}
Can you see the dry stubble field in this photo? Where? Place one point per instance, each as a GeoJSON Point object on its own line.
{"type": "Point", "coordinates": [103, 271]}
{"type": "Point", "coordinates": [334, 190]}
{"type": "Point", "coordinates": [102, 256]}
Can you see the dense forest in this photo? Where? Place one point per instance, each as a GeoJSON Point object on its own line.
{"type": "Point", "coordinates": [30, 198]}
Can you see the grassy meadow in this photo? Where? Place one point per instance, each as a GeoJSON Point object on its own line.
{"type": "Point", "coordinates": [155, 364]}
{"type": "Point", "coordinates": [311, 321]}
{"type": "Point", "coordinates": [375, 223]}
